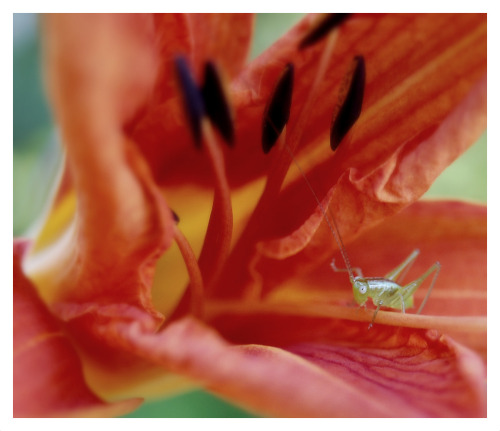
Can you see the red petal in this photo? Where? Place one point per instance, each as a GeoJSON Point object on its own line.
{"type": "Point", "coordinates": [419, 68]}
{"type": "Point", "coordinates": [224, 38]}
{"type": "Point", "coordinates": [415, 372]}
{"type": "Point", "coordinates": [383, 165]}
{"type": "Point", "coordinates": [108, 251]}
{"type": "Point", "coordinates": [449, 232]}
{"type": "Point", "coordinates": [48, 378]}
{"type": "Point", "coordinates": [361, 198]}
{"type": "Point", "coordinates": [162, 132]}
{"type": "Point", "coordinates": [387, 373]}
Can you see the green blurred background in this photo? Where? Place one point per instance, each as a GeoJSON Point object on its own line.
{"type": "Point", "coordinates": [36, 157]}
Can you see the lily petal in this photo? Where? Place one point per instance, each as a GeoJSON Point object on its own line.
{"type": "Point", "coordinates": [225, 37]}
{"type": "Point", "coordinates": [445, 231]}
{"type": "Point", "coordinates": [120, 214]}
{"type": "Point", "coordinates": [453, 233]}
{"type": "Point", "coordinates": [381, 166]}
{"type": "Point", "coordinates": [161, 132]}
{"type": "Point", "coordinates": [406, 96]}
{"type": "Point", "coordinates": [362, 199]}
{"type": "Point", "coordinates": [94, 262]}
{"type": "Point", "coordinates": [48, 377]}
{"type": "Point", "coordinates": [375, 371]}
{"type": "Point", "coordinates": [416, 372]}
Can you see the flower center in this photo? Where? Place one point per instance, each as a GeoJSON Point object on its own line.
{"type": "Point", "coordinates": [207, 106]}
{"type": "Point", "coordinates": [204, 107]}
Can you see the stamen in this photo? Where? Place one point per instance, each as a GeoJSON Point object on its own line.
{"type": "Point", "coordinates": [348, 108]}
{"type": "Point", "coordinates": [196, 280]}
{"type": "Point", "coordinates": [175, 216]}
{"type": "Point", "coordinates": [281, 162]}
{"type": "Point", "coordinates": [193, 102]}
{"type": "Point", "coordinates": [220, 226]}
{"type": "Point", "coordinates": [277, 111]}
{"type": "Point", "coordinates": [216, 105]}
{"type": "Point", "coordinates": [322, 27]}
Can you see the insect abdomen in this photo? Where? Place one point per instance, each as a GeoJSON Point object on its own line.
{"type": "Point", "coordinates": [387, 292]}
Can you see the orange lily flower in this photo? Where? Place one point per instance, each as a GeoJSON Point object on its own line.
{"type": "Point", "coordinates": [116, 299]}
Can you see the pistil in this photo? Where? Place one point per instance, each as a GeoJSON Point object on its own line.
{"type": "Point", "coordinates": [196, 289]}
{"type": "Point", "coordinates": [206, 106]}
{"type": "Point", "coordinates": [220, 226]}
{"type": "Point", "coordinates": [282, 160]}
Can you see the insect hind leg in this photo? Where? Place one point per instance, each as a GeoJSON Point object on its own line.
{"type": "Point", "coordinates": [401, 270]}
{"type": "Point", "coordinates": [434, 268]}
{"type": "Point", "coordinates": [410, 288]}
{"type": "Point", "coordinates": [403, 310]}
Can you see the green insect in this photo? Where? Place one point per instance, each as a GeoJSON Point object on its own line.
{"type": "Point", "coordinates": [384, 291]}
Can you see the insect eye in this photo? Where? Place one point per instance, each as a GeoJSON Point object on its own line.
{"type": "Point", "coordinates": [362, 290]}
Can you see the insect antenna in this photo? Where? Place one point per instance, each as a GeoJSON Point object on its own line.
{"type": "Point", "coordinates": [345, 115]}
{"type": "Point", "coordinates": [277, 113]}
{"type": "Point", "coordinates": [332, 224]}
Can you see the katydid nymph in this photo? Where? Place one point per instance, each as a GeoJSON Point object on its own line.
{"type": "Point", "coordinates": [384, 291]}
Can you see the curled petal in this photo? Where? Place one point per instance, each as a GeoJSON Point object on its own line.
{"type": "Point", "coordinates": [161, 131]}
{"type": "Point", "coordinates": [48, 377]}
{"type": "Point", "coordinates": [120, 215]}
{"type": "Point", "coordinates": [407, 373]}
{"type": "Point", "coordinates": [448, 232]}
{"type": "Point", "coordinates": [406, 96]}
{"type": "Point", "coordinates": [416, 372]}
{"type": "Point", "coordinates": [229, 41]}
{"type": "Point", "coordinates": [359, 200]}
{"type": "Point", "coordinates": [385, 162]}
{"type": "Point", "coordinates": [244, 374]}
